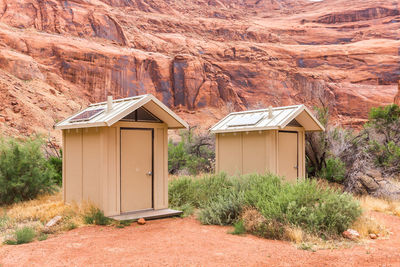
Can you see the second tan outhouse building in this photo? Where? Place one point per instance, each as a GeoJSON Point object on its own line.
{"type": "Point", "coordinates": [115, 155]}
{"type": "Point", "coordinates": [266, 140]}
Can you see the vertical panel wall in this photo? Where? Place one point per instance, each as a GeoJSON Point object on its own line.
{"type": "Point", "coordinates": [109, 176]}
{"type": "Point", "coordinates": [92, 163]}
{"type": "Point", "coordinates": [271, 155]}
{"type": "Point", "coordinates": [254, 152]}
{"type": "Point", "coordinates": [230, 153]}
{"type": "Point", "coordinates": [72, 153]}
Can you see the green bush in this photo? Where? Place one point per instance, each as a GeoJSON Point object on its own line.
{"type": "Point", "coordinates": [221, 199]}
{"type": "Point", "coordinates": [239, 228]}
{"type": "Point", "coordinates": [197, 191]}
{"type": "Point", "coordinates": [323, 211]}
{"type": "Point", "coordinates": [42, 237]}
{"type": "Point", "coordinates": [334, 170]}
{"type": "Point", "coordinates": [56, 162]}
{"type": "Point", "coordinates": [193, 154]}
{"type": "Point", "coordinates": [22, 236]}
{"type": "Point", "coordinates": [96, 216]}
{"type": "Point", "coordinates": [24, 171]}
{"type": "Point", "coordinates": [225, 209]}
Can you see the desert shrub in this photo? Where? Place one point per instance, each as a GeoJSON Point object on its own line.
{"type": "Point", "coordinates": [96, 216]}
{"type": "Point", "coordinates": [224, 209]}
{"type": "Point", "coordinates": [238, 228]}
{"type": "Point", "coordinates": [56, 162]}
{"type": "Point", "coordinates": [181, 192]}
{"type": "Point", "coordinates": [42, 237]}
{"type": "Point", "coordinates": [193, 154]}
{"type": "Point", "coordinates": [24, 171]}
{"type": "Point", "coordinates": [305, 204]}
{"type": "Point", "coordinates": [334, 170]}
{"type": "Point", "coordinates": [267, 206]}
{"type": "Point", "coordinates": [384, 134]}
{"type": "Point", "coordinates": [197, 191]}
{"type": "Point", "coordinates": [22, 236]}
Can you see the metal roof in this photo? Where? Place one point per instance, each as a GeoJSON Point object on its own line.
{"type": "Point", "coordinates": [267, 119]}
{"type": "Point", "coordinates": [121, 108]}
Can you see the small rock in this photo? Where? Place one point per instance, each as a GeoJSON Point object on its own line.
{"type": "Point", "coordinates": [141, 221]}
{"type": "Point", "coordinates": [351, 234]}
{"type": "Point", "coordinates": [43, 107]}
{"type": "Point", "coordinates": [14, 103]}
{"type": "Point", "coordinates": [2, 119]}
{"type": "Point", "coordinates": [373, 236]}
{"type": "Point", "coordinates": [51, 223]}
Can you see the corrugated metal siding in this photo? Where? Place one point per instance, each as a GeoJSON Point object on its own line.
{"type": "Point", "coordinates": [280, 115]}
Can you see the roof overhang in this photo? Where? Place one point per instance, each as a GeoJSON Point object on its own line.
{"type": "Point", "coordinates": [300, 112]}
{"type": "Point", "coordinates": [123, 108]}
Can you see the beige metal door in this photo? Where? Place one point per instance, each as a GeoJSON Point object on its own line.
{"type": "Point", "coordinates": [136, 169]}
{"type": "Point", "coordinates": [288, 155]}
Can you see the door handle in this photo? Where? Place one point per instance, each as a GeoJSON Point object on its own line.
{"type": "Point", "coordinates": [295, 167]}
{"type": "Point", "coordinates": [149, 173]}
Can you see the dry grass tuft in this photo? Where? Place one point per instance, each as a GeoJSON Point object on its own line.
{"type": "Point", "coordinates": [45, 208]}
{"type": "Point", "coordinates": [37, 212]}
{"type": "Point", "coordinates": [366, 225]}
{"type": "Point", "coordinates": [252, 219]}
{"type": "Point", "coordinates": [294, 234]}
{"type": "Point", "coordinates": [381, 205]}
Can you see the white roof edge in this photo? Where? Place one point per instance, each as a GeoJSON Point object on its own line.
{"type": "Point", "coordinates": [169, 111]}
{"type": "Point", "coordinates": [285, 122]}
{"type": "Point", "coordinates": [296, 110]}
{"type": "Point", "coordinates": [140, 101]}
{"type": "Point", "coordinates": [314, 118]}
{"type": "Point", "coordinates": [244, 130]}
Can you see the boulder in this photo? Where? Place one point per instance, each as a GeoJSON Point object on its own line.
{"type": "Point", "coordinates": [351, 234]}
{"type": "Point", "coordinates": [50, 224]}
{"type": "Point", "coordinates": [373, 236]}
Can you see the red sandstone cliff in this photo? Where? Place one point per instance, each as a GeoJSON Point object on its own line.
{"type": "Point", "coordinates": [202, 58]}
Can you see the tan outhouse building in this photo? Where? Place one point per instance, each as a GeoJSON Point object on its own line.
{"type": "Point", "coordinates": [266, 140]}
{"type": "Point", "coordinates": [115, 155]}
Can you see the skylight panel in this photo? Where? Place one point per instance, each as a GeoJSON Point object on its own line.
{"type": "Point", "coordinates": [87, 115]}
{"type": "Point", "coordinates": [246, 120]}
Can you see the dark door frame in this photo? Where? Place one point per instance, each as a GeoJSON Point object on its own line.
{"type": "Point", "coordinates": [152, 164]}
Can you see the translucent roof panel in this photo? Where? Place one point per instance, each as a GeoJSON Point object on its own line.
{"type": "Point", "coordinates": [267, 119]}
{"type": "Point", "coordinates": [245, 119]}
{"type": "Point", "coordinates": [87, 115]}
{"type": "Point", "coordinates": [97, 115]}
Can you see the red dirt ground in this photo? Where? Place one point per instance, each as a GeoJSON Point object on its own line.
{"type": "Point", "coordinates": [178, 242]}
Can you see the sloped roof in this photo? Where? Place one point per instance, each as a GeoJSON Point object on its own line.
{"type": "Point", "coordinates": [255, 120]}
{"type": "Point", "coordinates": [121, 108]}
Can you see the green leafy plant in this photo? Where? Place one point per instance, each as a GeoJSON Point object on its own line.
{"type": "Point", "coordinates": [193, 154]}
{"type": "Point", "coordinates": [22, 236]}
{"type": "Point", "coordinates": [24, 171]}
{"type": "Point", "coordinates": [239, 228]}
{"type": "Point", "coordinates": [334, 170]}
{"type": "Point", "coordinates": [96, 216]}
{"type": "Point", "coordinates": [221, 201]}
{"type": "Point", "coordinates": [56, 162]}
{"type": "Point", "coordinates": [42, 237]}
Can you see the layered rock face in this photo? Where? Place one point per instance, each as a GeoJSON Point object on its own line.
{"type": "Point", "coordinates": [202, 58]}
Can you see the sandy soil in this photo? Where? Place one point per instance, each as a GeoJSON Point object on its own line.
{"type": "Point", "coordinates": [178, 242]}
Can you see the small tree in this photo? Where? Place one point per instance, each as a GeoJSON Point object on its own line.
{"type": "Point", "coordinates": [194, 153]}
{"type": "Point", "coordinates": [383, 131]}
{"type": "Point", "coordinates": [24, 171]}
